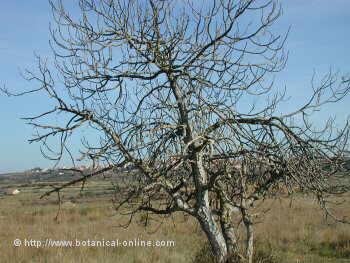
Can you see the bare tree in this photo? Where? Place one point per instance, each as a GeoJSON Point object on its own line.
{"type": "Point", "coordinates": [164, 86]}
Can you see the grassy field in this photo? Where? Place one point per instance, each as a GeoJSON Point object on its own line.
{"type": "Point", "coordinates": [289, 233]}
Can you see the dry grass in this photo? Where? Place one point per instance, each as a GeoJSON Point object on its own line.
{"type": "Point", "coordinates": [286, 234]}
{"type": "Point", "coordinates": [299, 232]}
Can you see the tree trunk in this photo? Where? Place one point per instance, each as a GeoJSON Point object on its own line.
{"type": "Point", "coordinates": [228, 231]}
{"type": "Point", "coordinates": [214, 235]}
{"type": "Point", "coordinates": [250, 237]}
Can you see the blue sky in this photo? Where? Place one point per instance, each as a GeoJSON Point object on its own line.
{"type": "Point", "coordinates": [319, 39]}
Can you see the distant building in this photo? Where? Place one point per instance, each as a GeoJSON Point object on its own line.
{"type": "Point", "coordinates": [36, 170]}
{"type": "Point", "coordinates": [13, 191]}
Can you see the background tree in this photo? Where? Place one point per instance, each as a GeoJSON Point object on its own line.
{"type": "Point", "coordinates": [163, 84]}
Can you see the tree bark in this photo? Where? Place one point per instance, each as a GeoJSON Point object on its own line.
{"type": "Point", "coordinates": [214, 235]}
{"type": "Point", "coordinates": [204, 213]}
{"type": "Point", "coordinates": [250, 237]}
{"type": "Point", "coordinates": [228, 231]}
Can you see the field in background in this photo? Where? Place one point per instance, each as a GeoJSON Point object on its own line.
{"type": "Point", "coordinates": [289, 233]}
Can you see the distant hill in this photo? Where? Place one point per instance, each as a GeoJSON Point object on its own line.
{"type": "Point", "coordinates": [28, 177]}
{"type": "Point", "coordinates": [60, 176]}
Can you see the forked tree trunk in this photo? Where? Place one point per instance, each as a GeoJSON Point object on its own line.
{"type": "Point", "coordinates": [222, 238]}
{"type": "Point", "coordinates": [223, 241]}
{"type": "Point", "coordinates": [215, 236]}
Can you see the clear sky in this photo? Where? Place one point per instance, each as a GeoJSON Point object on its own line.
{"type": "Point", "coordinates": [319, 39]}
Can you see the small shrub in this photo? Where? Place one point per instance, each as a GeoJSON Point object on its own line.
{"type": "Point", "coordinates": [85, 211]}
{"type": "Point", "coordinates": [337, 249]}
{"type": "Point", "coordinates": [263, 254]}
{"type": "Point", "coordinates": [204, 255]}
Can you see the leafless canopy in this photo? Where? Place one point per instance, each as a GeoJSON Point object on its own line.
{"type": "Point", "coordinates": [164, 86]}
